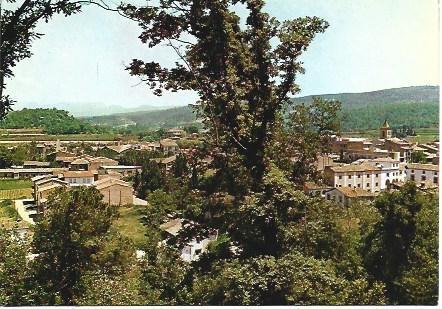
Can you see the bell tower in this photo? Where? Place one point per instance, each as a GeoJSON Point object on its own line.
{"type": "Point", "coordinates": [385, 130]}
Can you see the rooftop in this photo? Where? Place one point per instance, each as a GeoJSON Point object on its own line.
{"type": "Point", "coordinates": [172, 227]}
{"type": "Point", "coordinates": [426, 167]}
{"type": "Point", "coordinates": [363, 167]}
{"type": "Point", "coordinates": [355, 192]}
{"type": "Point", "coordinates": [75, 174]}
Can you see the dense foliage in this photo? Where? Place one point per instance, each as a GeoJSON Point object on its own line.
{"type": "Point", "coordinates": [275, 245]}
{"type": "Point", "coordinates": [52, 121]}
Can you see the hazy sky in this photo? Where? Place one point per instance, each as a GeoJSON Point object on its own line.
{"type": "Point", "coordinates": [370, 45]}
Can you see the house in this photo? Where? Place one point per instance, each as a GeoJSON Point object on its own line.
{"type": "Point", "coordinates": [168, 146]}
{"type": "Point", "coordinates": [347, 196]}
{"type": "Point", "coordinates": [96, 163]}
{"type": "Point", "coordinates": [421, 173]}
{"type": "Point", "coordinates": [35, 164]}
{"type": "Point", "coordinates": [43, 186]}
{"type": "Point", "coordinates": [175, 133]}
{"type": "Point", "coordinates": [79, 164]}
{"type": "Point", "coordinates": [27, 173]}
{"type": "Point", "coordinates": [165, 163]}
{"type": "Point", "coordinates": [397, 145]}
{"type": "Point", "coordinates": [124, 170]}
{"type": "Point", "coordinates": [78, 178]}
{"type": "Point", "coordinates": [118, 149]}
{"type": "Point", "coordinates": [314, 189]}
{"type": "Point", "coordinates": [192, 249]}
{"type": "Point", "coordinates": [115, 191]}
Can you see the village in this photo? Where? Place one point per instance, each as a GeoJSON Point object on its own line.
{"type": "Point", "coordinates": [356, 169]}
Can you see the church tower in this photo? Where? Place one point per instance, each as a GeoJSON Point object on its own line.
{"type": "Point", "coordinates": [385, 130]}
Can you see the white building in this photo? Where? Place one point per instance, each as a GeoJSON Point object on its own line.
{"type": "Point", "coordinates": [371, 175]}
{"type": "Point", "coordinates": [79, 178]}
{"type": "Point", "coordinates": [192, 249]}
{"type": "Point", "coordinates": [422, 173]}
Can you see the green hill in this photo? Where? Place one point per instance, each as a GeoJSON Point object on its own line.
{"type": "Point", "coordinates": [50, 120]}
{"type": "Point", "coordinates": [414, 106]}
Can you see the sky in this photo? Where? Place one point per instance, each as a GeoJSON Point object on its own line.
{"type": "Point", "coordinates": [370, 45]}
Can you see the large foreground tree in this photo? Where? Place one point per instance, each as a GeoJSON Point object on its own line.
{"type": "Point", "coordinates": [242, 72]}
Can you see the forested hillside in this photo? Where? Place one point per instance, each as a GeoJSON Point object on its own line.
{"type": "Point", "coordinates": [415, 94]}
{"type": "Point", "coordinates": [417, 107]}
{"type": "Point", "coordinates": [416, 115]}
{"type": "Point", "coordinates": [155, 119]}
{"type": "Point", "coordinates": [52, 121]}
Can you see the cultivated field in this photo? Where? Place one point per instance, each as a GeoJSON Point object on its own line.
{"type": "Point", "coordinates": [12, 189]}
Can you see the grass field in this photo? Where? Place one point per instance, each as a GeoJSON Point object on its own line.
{"type": "Point", "coordinates": [10, 184]}
{"type": "Point", "coordinates": [12, 189]}
{"type": "Point", "coordinates": [129, 224]}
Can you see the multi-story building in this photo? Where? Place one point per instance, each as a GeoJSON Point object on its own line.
{"type": "Point", "coordinates": [371, 175]}
{"type": "Point", "coordinates": [422, 173]}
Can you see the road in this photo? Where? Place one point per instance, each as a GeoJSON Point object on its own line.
{"type": "Point", "coordinates": [20, 207]}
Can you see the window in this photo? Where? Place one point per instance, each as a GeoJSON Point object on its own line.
{"type": "Point", "coordinates": [423, 178]}
{"type": "Point", "coordinates": [197, 251]}
{"type": "Point", "coordinates": [359, 185]}
{"type": "Point", "coordinates": [328, 196]}
{"type": "Point", "coordinates": [349, 176]}
{"type": "Point", "coordinates": [412, 171]}
{"type": "Point", "coordinates": [359, 176]}
{"type": "Point", "coordinates": [368, 185]}
{"type": "Point", "coordinates": [368, 175]}
{"type": "Point", "coordinates": [388, 174]}
{"type": "Point", "coordinates": [423, 172]}
{"type": "Point", "coordinates": [377, 175]}
{"type": "Point", "coordinates": [412, 177]}
{"type": "Point", "coordinates": [340, 177]}
{"type": "Point", "coordinates": [435, 173]}
{"type": "Point", "coordinates": [376, 184]}
{"type": "Point", "coordinates": [349, 185]}
{"type": "Point", "coordinates": [435, 180]}
{"type": "Point", "coordinates": [340, 199]}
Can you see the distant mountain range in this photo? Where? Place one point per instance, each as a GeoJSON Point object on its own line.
{"type": "Point", "coordinates": [416, 106]}
{"type": "Point", "coordinates": [90, 109]}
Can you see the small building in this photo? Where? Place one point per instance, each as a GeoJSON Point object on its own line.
{"type": "Point", "coordinates": [115, 191]}
{"type": "Point", "coordinates": [124, 170]}
{"type": "Point", "coordinates": [168, 146]}
{"type": "Point", "coordinates": [175, 133]}
{"type": "Point", "coordinates": [347, 196]}
{"type": "Point", "coordinates": [78, 178]}
{"type": "Point", "coordinates": [194, 248]}
{"type": "Point", "coordinates": [36, 164]}
{"type": "Point", "coordinates": [96, 163]}
{"type": "Point", "coordinates": [27, 173]}
{"type": "Point", "coordinates": [79, 164]}
{"type": "Point", "coordinates": [314, 189]}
